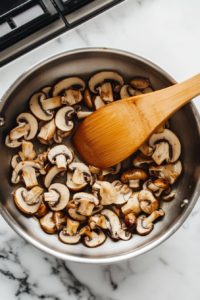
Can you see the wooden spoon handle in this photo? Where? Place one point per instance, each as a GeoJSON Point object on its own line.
{"type": "Point", "coordinates": [168, 101]}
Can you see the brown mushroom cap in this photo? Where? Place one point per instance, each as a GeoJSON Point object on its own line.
{"type": "Point", "coordinates": [139, 83]}
{"type": "Point", "coordinates": [161, 183]}
{"type": "Point", "coordinates": [130, 221]}
{"type": "Point", "coordinates": [133, 174]}
{"type": "Point", "coordinates": [42, 210]}
{"type": "Point", "coordinates": [47, 223]}
{"type": "Point", "coordinates": [148, 202]}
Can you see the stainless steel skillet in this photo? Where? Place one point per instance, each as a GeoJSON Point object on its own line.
{"type": "Point", "coordinates": [84, 63]}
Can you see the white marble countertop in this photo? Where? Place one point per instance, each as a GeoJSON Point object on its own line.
{"type": "Point", "coordinates": [167, 32]}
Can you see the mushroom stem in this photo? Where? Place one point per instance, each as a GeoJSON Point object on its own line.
{"type": "Point", "coordinates": [86, 230]}
{"type": "Point", "coordinates": [19, 131]}
{"type": "Point", "coordinates": [83, 114]}
{"type": "Point", "coordinates": [29, 177]}
{"type": "Point", "coordinates": [78, 177]}
{"type": "Point", "coordinates": [32, 196]}
{"type": "Point", "coordinates": [147, 222]}
{"type": "Point", "coordinates": [52, 103]}
{"type": "Point", "coordinates": [61, 161]}
{"type": "Point", "coordinates": [134, 183]}
{"type": "Point", "coordinates": [72, 227]}
{"type": "Point", "coordinates": [51, 196]}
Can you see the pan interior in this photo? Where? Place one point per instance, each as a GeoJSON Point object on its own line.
{"type": "Point", "coordinates": [85, 63]}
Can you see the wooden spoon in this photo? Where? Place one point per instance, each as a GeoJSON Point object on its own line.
{"type": "Point", "coordinates": [115, 131]}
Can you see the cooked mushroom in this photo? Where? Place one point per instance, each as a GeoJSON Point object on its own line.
{"type": "Point", "coordinates": [64, 118]}
{"type": "Point", "coordinates": [170, 172]}
{"type": "Point", "coordinates": [98, 102]}
{"type": "Point", "coordinates": [42, 108]}
{"type": "Point", "coordinates": [168, 196]}
{"type": "Point", "coordinates": [52, 173]}
{"type": "Point", "coordinates": [107, 219]}
{"type": "Point", "coordinates": [67, 83]}
{"type": "Point", "coordinates": [61, 156]}
{"type": "Point", "coordinates": [93, 238]}
{"type": "Point", "coordinates": [148, 202]}
{"type": "Point", "coordinates": [105, 191]}
{"type": "Point", "coordinates": [42, 210]}
{"type": "Point", "coordinates": [27, 170]}
{"type": "Point", "coordinates": [123, 192]}
{"type": "Point", "coordinates": [132, 205]}
{"type": "Point", "coordinates": [59, 219]}
{"type": "Point", "coordinates": [72, 97]}
{"type": "Point", "coordinates": [167, 136]}
{"type": "Point", "coordinates": [87, 99]}
{"type": "Point", "coordinates": [126, 92]}
{"type": "Point", "coordinates": [27, 150]}
{"type": "Point", "coordinates": [81, 173]}
{"type": "Point", "coordinates": [112, 170]}
{"type": "Point", "coordinates": [59, 135]}
{"type": "Point", "coordinates": [160, 128]}
{"type": "Point", "coordinates": [130, 221]}
{"type": "Point", "coordinates": [133, 177]}
{"type": "Point", "coordinates": [101, 77]}
{"type": "Point", "coordinates": [57, 196]}
{"type": "Point", "coordinates": [72, 186]}
{"type": "Point", "coordinates": [28, 201]}
{"type": "Point", "coordinates": [156, 186]}
{"type": "Point", "coordinates": [141, 159]}
{"type": "Point", "coordinates": [161, 153]}
{"type": "Point", "coordinates": [86, 203]}
{"type": "Point", "coordinates": [15, 160]}
{"type": "Point", "coordinates": [82, 114]}
{"type": "Point", "coordinates": [145, 224]}
{"type": "Point", "coordinates": [146, 150]}
{"type": "Point", "coordinates": [71, 208]}
{"type": "Point", "coordinates": [43, 157]}
{"type": "Point", "coordinates": [147, 90]}
{"type": "Point", "coordinates": [105, 92]}
{"type": "Point", "coordinates": [47, 132]}
{"type": "Point", "coordinates": [139, 83]}
{"type": "Point", "coordinates": [27, 129]}
{"type": "Point", "coordinates": [47, 223]}
{"type": "Point", "coordinates": [69, 234]}
{"type": "Point", "coordinates": [47, 90]}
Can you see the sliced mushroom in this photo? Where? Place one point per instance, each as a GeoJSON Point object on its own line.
{"type": "Point", "coordinates": [170, 172]}
{"type": "Point", "coordinates": [61, 156]}
{"type": "Point", "coordinates": [72, 186]}
{"type": "Point", "coordinates": [101, 77]}
{"type": "Point", "coordinates": [72, 97]}
{"type": "Point", "coordinates": [27, 129]}
{"type": "Point", "coordinates": [57, 196]}
{"type": "Point", "coordinates": [169, 137]}
{"type": "Point", "coordinates": [105, 191]}
{"type": "Point", "coordinates": [169, 196]}
{"type": "Point", "coordinates": [161, 153]}
{"type": "Point", "coordinates": [106, 93]}
{"type": "Point", "coordinates": [126, 92]}
{"type": "Point", "coordinates": [47, 90]}
{"type": "Point", "coordinates": [36, 107]}
{"type": "Point", "coordinates": [27, 170]}
{"type": "Point", "coordinates": [148, 202]}
{"type": "Point", "coordinates": [95, 172]}
{"type": "Point", "coordinates": [156, 186]}
{"type": "Point", "coordinates": [72, 211]}
{"type": "Point", "coordinates": [86, 203]}
{"type": "Point", "coordinates": [133, 177]}
{"type": "Point", "coordinates": [130, 221]}
{"type": "Point", "coordinates": [15, 160]}
{"type": "Point", "coordinates": [139, 83]}
{"type": "Point", "coordinates": [28, 151]}
{"type": "Point", "coordinates": [137, 93]}
{"type": "Point", "coordinates": [87, 99]}
{"type": "Point", "coordinates": [67, 83]}
{"type": "Point", "coordinates": [145, 224]}
{"type": "Point", "coordinates": [59, 135]}
{"type": "Point", "coordinates": [160, 128]}
{"type": "Point", "coordinates": [141, 159]}
{"type": "Point", "coordinates": [107, 219]}
{"type": "Point", "coordinates": [59, 219]}
{"type": "Point", "coordinates": [147, 90]}
{"type": "Point", "coordinates": [112, 170]}
{"type": "Point", "coordinates": [47, 223]}
{"type": "Point", "coordinates": [83, 114]}
{"type": "Point", "coordinates": [123, 192]}
{"type": "Point", "coordinates": [146, 150]}
{"type": "Point", "coordinates": [28, 201]}
{"type": "Point", "coordinates": [81, 173]}
{"type": "Point", "coordinates": [47, 132]}
{"type": "Point", "coordinates": [64, 118]}
{"type": "Point", "coordinates": [98, 102]}
{"type": "Point", "coordinates": [70, 235]}
{"type": "Point", "coordinates": [93, 238]}
{"type": "Point", "coordinates": [43, 157]}
{"type": "Point", "coordinates": [132, 205]}
{"type": "Point", "coordinates": [52, 173]}
{"type": "Point", "coordinates": [42, 210]}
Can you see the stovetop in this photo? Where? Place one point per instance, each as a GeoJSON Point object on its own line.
{"type": "Point", "coordinates": [25, 24]}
